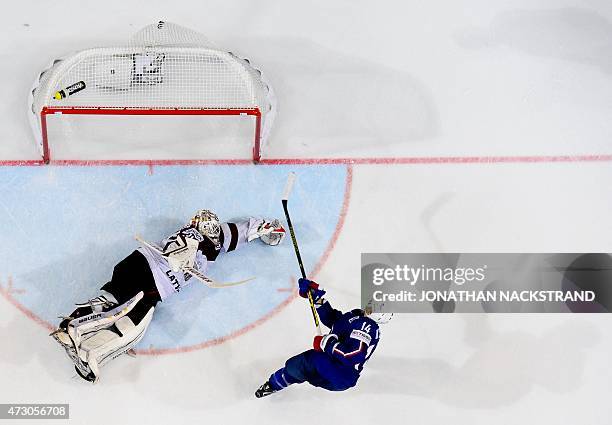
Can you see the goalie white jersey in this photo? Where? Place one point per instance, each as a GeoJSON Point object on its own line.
{"type": "Point", "coordinates": [233, 236]}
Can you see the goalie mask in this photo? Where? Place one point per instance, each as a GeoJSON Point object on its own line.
{"type": "Point", "coordinates": [374, 309]}
{"type": "Point", "coordinates": [207, 223]}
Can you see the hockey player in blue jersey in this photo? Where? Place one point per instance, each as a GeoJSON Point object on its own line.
{"type": "Point", "coordinates": [336, 359]}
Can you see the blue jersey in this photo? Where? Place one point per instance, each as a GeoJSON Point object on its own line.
{"type": "Point", "coordinates": [357, 336]}
{"type": "Point", "coordinates": [339, 361]}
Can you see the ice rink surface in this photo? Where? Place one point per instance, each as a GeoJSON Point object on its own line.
{"type": "Point", "coordinates": [474, 126]}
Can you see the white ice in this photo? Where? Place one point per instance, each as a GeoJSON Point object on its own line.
{"type": "Point", "coordinates": [370, 79]}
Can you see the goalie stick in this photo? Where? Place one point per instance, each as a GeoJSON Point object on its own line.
{"type": "Point", "coordinates": [285, 200]}
{"type": "Point", "coordinates": [193, 272]}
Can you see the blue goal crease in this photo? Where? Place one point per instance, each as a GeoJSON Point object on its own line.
{"type": "Point", "coordinates": [64, 229]}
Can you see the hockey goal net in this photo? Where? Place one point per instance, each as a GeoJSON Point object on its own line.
{"type": "Point", "coordinates": [166, 73]}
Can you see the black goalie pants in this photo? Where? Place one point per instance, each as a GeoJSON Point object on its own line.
{"type": "Point", "coordinates": [131, 276]}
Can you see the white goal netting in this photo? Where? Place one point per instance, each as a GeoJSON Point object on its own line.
{"type": "Point", "coordinates": [165, 69]}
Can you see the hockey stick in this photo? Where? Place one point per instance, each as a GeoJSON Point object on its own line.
{"type": "Point", "coordinates": [193, 272]}
{"type": "Point", "coordinates": [288, 187]}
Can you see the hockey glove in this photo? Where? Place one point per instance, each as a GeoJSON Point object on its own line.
{"type": "Point", "coordinates": [321, 342]}
{"type": "Point", "coordinates": [308, 285]}
{"type": "Point", "coordinates": [270, 232]}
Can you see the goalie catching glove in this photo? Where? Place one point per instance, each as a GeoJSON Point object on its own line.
{"type": "Point", "coordinates": [270, 232]}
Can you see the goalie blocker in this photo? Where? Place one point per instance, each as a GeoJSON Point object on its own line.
{"type": "Point", "coordinates": [109, 325]}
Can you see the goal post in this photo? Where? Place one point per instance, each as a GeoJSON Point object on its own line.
{"type": "Point", "coordinates": [100, 111]}
{"type": "Point", "coordinates": [166, 70]}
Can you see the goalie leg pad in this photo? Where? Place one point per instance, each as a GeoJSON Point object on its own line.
{"type": "Point", "coordinates": [82, 326]}
{"type": "Point", "coordinates": [104, 302]}
{"type": "Point", "coordinates": [92, 340]}
{"type": "Point", "coordinates": [109, 343]}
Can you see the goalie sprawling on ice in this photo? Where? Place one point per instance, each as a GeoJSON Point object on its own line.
{"type": "Point", "coordinates": [109, 325]}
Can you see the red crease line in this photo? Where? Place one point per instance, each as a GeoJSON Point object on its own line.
{"type": "Point", "coordinates": [324, 161]}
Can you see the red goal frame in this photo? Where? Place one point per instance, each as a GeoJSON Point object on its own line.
{"type": "Point", "coordinates": [85, 110]}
